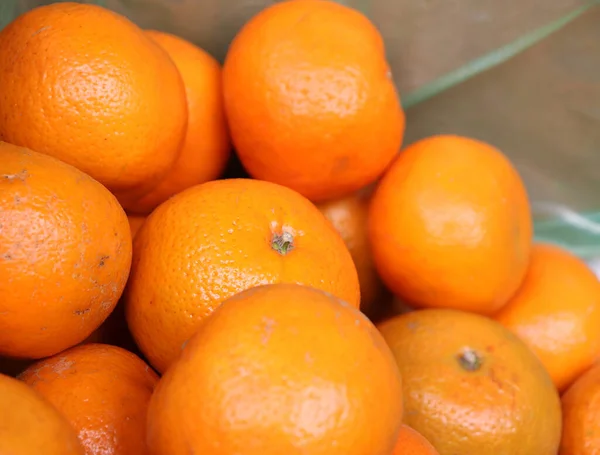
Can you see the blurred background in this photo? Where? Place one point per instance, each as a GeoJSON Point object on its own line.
{"type": "Point", "coordinates": [523, 75]}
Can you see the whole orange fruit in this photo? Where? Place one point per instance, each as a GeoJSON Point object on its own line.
{"type": "Point", "coordinates": [310, 98]}
{"type": "Point", "coordinates": [471, 387]}
{"type": "Point", "coordinates": [65, 253]}
{"type": "Point", "coordinates": [103, 391]}
{"type": "Point", "coordinates": [29, 425]}
{"type": "Point", "coordinates": [279, 369]}
{"type": "Point", "coordinates": [86, 85]}
{"type": "Point", "coordinates": [581, 415]}
{"type": "Point", "coordinates": [216, 239]}
{"type": "Point", "coordinates": [349, 217]}
{"type": "Point", "coordinates": [557, 313]}
{"type": "Point", "coordinates": [411, 442]}
{"type": "Point", "coordinates": [450, 226]}
{"type": "Point", "coordinates": [207, 147]}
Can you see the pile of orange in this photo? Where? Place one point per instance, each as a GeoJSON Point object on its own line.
{"type": "Point", "coordinates": [349, 295]}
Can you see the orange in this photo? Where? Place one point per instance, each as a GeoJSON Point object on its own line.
{"type": "Point", "coordinates": [279, 369]}
{"type": "Point", "coordinates": [471, 387]}
{"type": "Point", "coordinates": [216, 239]}
{"type": "Point", "coordinates": [310, 98]}
{"type": "Point", "coordinates": [29, 425]}
{"type": "Point", "coordinates": [207, 147]}
{"type": "Point", "coordinates": [450, 226]}
{"type": "Point", "coordinates": [135, 223]}
{"type": "Point", "coordinates": [349, 217]}
{"type": "Point", "coordinates": [87, 86]}
{"type": "Point", "coordinates": [103, 391]}
{"type": "Point", "coordinates": [557, 313]}
{"type": "Point", "coordinates": [411, 442]}
{"type": "Point", "coordinates": [65, 254]}
{"type": "Point", "coordinates": [581, 415]}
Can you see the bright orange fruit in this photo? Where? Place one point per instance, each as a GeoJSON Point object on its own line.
{"type": "Point", "coordinates": [87, 86]}
{"type": "Point", "coordinates": [310, 98]}
{"type": "Point", "coordinates": [65, 254]}
{"type": "Point", "coordinates": [581, 415]}
{"type": "Point", "coordinates": [103, 391]}
{"type": "Point", "coordinates": [216, 239]}
{"type": "Point", "coordinates": [450, 226]}
{"type": "Point", "coordinates": [29, 425]}
{"type": "Point", "coordinates": [279, 369]}
{"type": "Point", "coordinates": [471, 387]}
{"type": "Point", "coordinates": [557, 313]}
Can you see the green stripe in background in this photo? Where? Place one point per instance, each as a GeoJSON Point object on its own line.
{"type": "Point", "coordinates": [491, 59]}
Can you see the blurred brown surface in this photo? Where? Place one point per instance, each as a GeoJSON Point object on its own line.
{"type": "Point", "coordinates": [428, 38]}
